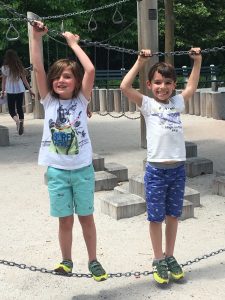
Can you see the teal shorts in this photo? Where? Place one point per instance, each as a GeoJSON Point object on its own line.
{"type": "Point", "coordinates": [71, 191]}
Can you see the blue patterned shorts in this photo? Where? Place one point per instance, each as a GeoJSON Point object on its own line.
{"type": "Point", "coordinates": [164, 189]}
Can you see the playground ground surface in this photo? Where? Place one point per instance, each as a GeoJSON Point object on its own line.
{"type": "Point", "coordinates": [29, 235]}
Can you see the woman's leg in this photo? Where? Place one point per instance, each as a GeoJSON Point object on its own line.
{"type": "Point", "coordinates": [19, 105]}
{"type": "Point", "coordinates": [12, 107]}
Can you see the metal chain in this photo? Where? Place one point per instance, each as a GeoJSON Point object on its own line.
{"type": "Point", "coordinates": [108, 46]}
{"type": "Point", "coordinates": [136, 274]}
{"type": "Point", "coordinates": [123, 114]}
{"type": "Point", "coordinates": [63, 16]}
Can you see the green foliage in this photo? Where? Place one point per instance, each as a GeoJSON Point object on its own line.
{"type": "Point", "coordinates": [198, 23]}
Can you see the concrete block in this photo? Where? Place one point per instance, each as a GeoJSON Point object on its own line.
{"type": "Point", "coordinates": [136, 185]}
{"type": "Point", "coordinates": [208, 105]}
{"type": "Point", "coordinates": [124, 206]}
{"type": "Point", "coordinates": [4, 136]}
{"type": "Point", "coordinates": [117, 100]}
{"type": "Point", "coordinates": [132, 106]}
{"type": "Point", "coordinates": [120, 171]}
{"type": "Point", "coordinates": [197, 103]}
{"type": "Point", "coordinates": [192, 196]}
{"type": "Point", "coordinates": [191, 149]}
{"type": "Point", "coordinates": [218, 106]}
{"type": "Point", "coordinates": [110, 100]}
{"type": "Point", "coordinates": [220, 173]}
{"type": "Point", "coordinates": [191, 106]}
{"type": "Point", "coordinates": [196, 166]}
{"type": "Point", "coordinates": [102, 100]}
{"type": "Point", "coordinates": [28, 102]}
{"type": "Point", "coordinates": [98, 162]}
{"type": "Point", "coordinates": [122, 189]}
{"type": "Point", "coordinates": [104, 181]}
{"type": "Point", "coordinates": [95, 100]}
{"type": "Point", "coordinates": [203, 104]}
{"type": "Point", "coordinates": [187, 211]}
{"type": "Point", "coordinates": [219, 186]}
{"type": "Point", "coordinates": [124, 103]}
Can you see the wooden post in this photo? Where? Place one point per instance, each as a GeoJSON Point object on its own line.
{"type": "Point", "coordinates": [38, 108]}
{"type": "Point", "coordinates": [147, 16]}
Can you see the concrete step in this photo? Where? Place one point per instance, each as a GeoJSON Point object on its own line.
{"type": "Point", "coordinates": [191, 149]}
{"type": "Point", "coordinates": [124, 206]}
{"type": "Point", "coordinates": [120, 171]}
{"type": "Point", "coordinates": [104, 181]}
{"type": "Point", "coordinates": [122, 188]}
{"type": "Point", "coordinates": [98, 162]}
{"type": "Point", "coordinates": [187, 211]}
{"type": "Point", "coordinates": [196, 166]}
{"type": "Point", "coordinates": [120, 206]}
{"type": "Point", "coordinates": [136, 186]}
{"type": "Point", "coordinates": [192, 196]}
{"type": "Point", "coordinates": [219, 186]}
{"type": "Point", "coordinates": [220, 173]}
{"type": "Point", "coordinates": [4, 136]}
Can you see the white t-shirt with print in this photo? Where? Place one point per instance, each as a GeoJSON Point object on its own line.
{"type": "Point", "coordinates": [65, 142]}
{"type": "Point", "coordinates": [164, 131]}
{"type": "Point", "coordinates": [12, 86]}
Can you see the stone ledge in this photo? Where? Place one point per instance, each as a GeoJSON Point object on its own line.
{"type": "Point", "coordinates": [104, 181]}
{"type": "Point", "coordinates": [4, 136]}
{"type": "Point", "coordinates": [219, 186]}
{"type": "Point", "coordinates": [124, 206]}
{"type": "Point", "coordinates": [196, 166]}
{"type": "Point", "coordinates": [98, 162]}
{"type": "Point", "coordinates": [120, 171]}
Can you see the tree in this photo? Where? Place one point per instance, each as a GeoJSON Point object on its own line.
{"type": "Point", "coordinates": [169, 29]}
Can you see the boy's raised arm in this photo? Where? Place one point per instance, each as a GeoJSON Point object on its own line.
{"type": "Point", "coordinates": [192, 84]}
{"type": "Point", "coordinates": [126, 84]}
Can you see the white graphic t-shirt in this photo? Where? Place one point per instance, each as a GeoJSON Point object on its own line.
{"type": "Point", "coordinates": [65, 141]}
{"type": "Point", "coordinates": [164, 131]}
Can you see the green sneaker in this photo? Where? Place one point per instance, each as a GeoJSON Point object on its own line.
{"type": "Point", "coordinates": [97, 271]}
{"type": "Point", "coordinates": [160, 271]}
{"type": "Point", "coordinates": [174, 268]}
{"type": "Point", "coordinates": [65, 267]}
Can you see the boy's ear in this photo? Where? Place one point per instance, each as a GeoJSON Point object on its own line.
{"type": "Point", "coordinates": [148, 84]}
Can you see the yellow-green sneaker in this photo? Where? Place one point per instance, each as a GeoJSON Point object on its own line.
{"type": "Point", "coordinates": [174, 268]}
{"type": "Point", "coordinates": [97, 271]}
{"type": "Point", "coordinates": [160, 271]}
{"type": "Point", "coordinates": [65, 267]}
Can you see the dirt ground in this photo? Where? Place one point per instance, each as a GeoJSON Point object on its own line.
{"type": "Point", "coordinates": [29, 235]}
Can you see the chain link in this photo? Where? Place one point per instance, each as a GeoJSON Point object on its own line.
{"type": "Point", "coordinates": [106, 46]}
{"type": "Point", "coordinates": [117, 116]}
{"type": "Point", "coordinates": [136, 274]}
{"type": "Point", "coordinates": [63, 16]}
